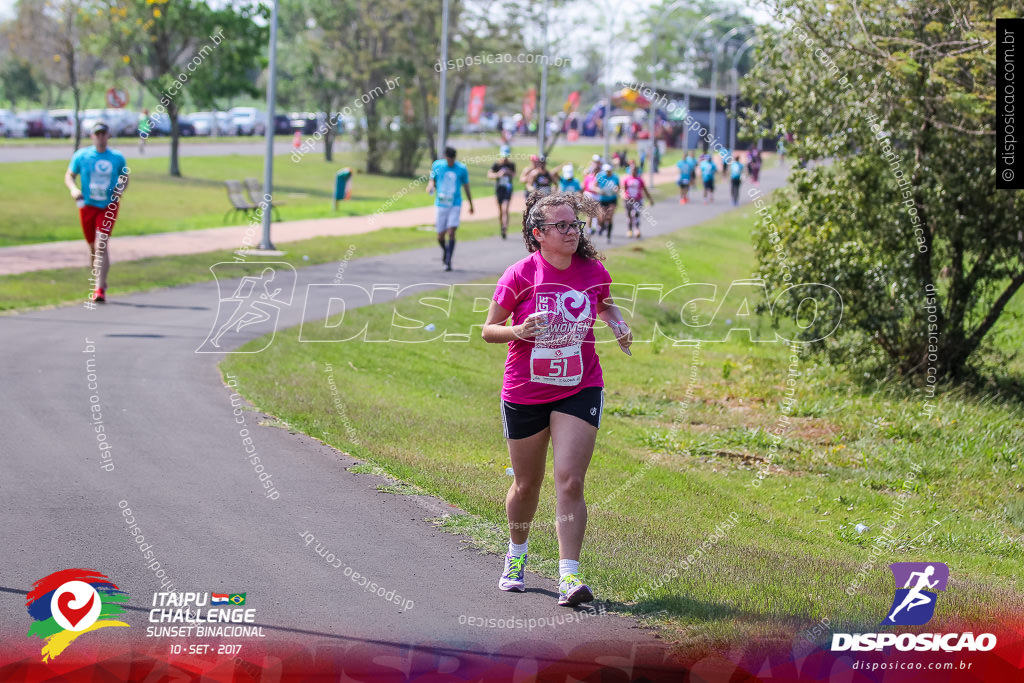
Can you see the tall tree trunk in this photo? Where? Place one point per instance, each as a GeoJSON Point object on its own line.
{"type": "Point", "coordinates": [431, 139]}
{"type": "Point", "coordinates": [75, 114]}
{"type": "Point", "coordinates": [450, 112]}
{"type": "Point", "coordinates": [172, 114]}
{"type": "Point", "coordinates": [332, 128]}
{"type": "Point", "coordinates": [373, 139]}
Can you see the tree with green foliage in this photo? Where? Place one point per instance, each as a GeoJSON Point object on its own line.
{"type": "Point", "coordinates": [685, 39]}
{"type": "Point", "coordinates": [19, 81]}
{"type": "Point", "coordinates": [50, 35]}
{"type": "Point", "coordinates": [314, 77]}
{"type": "Point", "coordinates": [904, 220]}
{"type": "Point", "coordinates": [185, 45]}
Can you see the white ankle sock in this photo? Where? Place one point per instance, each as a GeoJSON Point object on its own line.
{"type": "Point", "coordinates": [566, 567]}
{"type": "Point", "coordinates": [517, 549]}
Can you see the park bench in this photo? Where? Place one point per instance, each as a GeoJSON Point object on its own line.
{"type": "Point", "coordinates": [255, 190]}
{"type": "Point", "coordinates": [239, 202]}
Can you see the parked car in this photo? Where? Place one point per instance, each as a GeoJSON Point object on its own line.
{"type": "Point", "coordinates": [122, 122]}
{"type": "Point", "coordinates": [89, 117]}
{"type": "Point", "coordinates": [63, 118]}
{"type": "Point", "coordinates": [40, 124]}
{"type": "Point", "coordinates": [11, 126]}
{"type": "Point", "coordinates": [161, 125]}
{"type": "Point", "coordinates": [305, 122]}
{"type": "Point", "coordinates": [282, 125]}
{"type": "Point", "coordinates": [212, 123]}
{"type": "Point", "coordinates": [249, 120]}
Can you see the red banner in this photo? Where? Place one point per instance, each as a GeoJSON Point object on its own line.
{"type": "Point", "coordinates": [530, 103]}
{"type": "Point", "coordinates": [476, 103]}
{"type": "Point", "coordinates": [573, 103]}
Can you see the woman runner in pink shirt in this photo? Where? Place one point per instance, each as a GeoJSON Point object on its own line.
{"type": "Point", "coordinates": [553, 387]}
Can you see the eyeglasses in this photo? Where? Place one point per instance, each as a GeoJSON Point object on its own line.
{"type": "Point", "coordinates": [563, 228]}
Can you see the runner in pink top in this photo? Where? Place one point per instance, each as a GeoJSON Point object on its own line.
{"type": "Point", "coordinates": [634, 188]}
{"type": "Point", "coordinates": [553, 388]}
{"type": "Point", "coordinates": [562, 360]}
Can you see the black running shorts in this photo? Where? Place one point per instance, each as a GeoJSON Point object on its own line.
{"type": "Point", "coordinates": [526, 419]}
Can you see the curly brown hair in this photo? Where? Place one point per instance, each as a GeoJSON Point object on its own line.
{"type": "Point", "coordinates": [537, 205]}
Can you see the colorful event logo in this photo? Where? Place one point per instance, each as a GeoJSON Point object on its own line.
{"type": "Point", "coordinates": [71, 602]}
{"type": "Point", "coordinates": [915, 604]}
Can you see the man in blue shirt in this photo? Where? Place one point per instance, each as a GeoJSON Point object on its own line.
{"type": "Point", "coordinates": [736, 174]}
{"type": "Point", "coordinates": [448, 177]}
{"type": "Point", "coordinates": [104, 180]}
{"type": "Point", "coordinates": [567, 182]}
{"type": "Point", "coordinates": [685, 171]}
{"type": "Point", "coordinates": [707, 174]}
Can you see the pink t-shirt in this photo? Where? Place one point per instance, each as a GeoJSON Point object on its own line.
{"type": "Point", "coordinates": [633, 187]}
{"type": "Point", "coordinates": [590, 185]}
{"type": "Point", "coordinates": [562, 361]}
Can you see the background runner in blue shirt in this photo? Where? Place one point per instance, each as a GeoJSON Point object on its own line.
{"type": "Point", "coordinates": [448, 177]}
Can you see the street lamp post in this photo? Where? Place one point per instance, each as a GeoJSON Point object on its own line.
{"type": "Point", "coordinates": [543, 128]}
{"type": "Point", "coordinates": [442, 90]}
{"type": "Point", "coordinates": [268, 161]}
{"type": "Point", "coordinates": [608, 93]}
{"type": "Point", "coordinates": [736, 85]}
{"type": "Point", "coordinates": [714, 71]}
{"type": "Point", "coordinates": [652, 109]}
{"type": "Point", "coordinates": [687, 43]}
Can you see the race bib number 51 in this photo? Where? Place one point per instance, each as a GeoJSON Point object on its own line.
{"type": "Point", "coordinates": [561, 366]}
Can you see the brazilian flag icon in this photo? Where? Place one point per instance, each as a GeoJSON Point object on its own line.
{"type": "Point", "coordinates": [237, 598]}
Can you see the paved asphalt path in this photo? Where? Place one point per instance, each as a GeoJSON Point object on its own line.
{"type": "Point", "coordinates": [180, 465]}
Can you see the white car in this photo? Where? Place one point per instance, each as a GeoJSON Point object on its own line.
{"type": "Point", "coordinates": [212, 123]}
{"type": "Point", "coordinates": [11, 126]}
{"type": "Point", "coordinates": [249, 120]}
{"type": "Point", "coordinates": [122, 122]}
{"type": "Point", "coordinates": [64, 119]}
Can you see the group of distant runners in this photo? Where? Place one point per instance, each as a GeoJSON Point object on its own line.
{"type": "Point", "coordinates": [704, 167]}
{"type": "Point", "coordinates": [599, 183]}
{"type": "Point", "coordinates": [449, 178]}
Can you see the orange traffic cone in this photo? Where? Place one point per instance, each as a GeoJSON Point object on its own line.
{"type": "Point", "coordinates": [297, 141]}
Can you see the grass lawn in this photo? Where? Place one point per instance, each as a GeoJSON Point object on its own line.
{"type": "Point", "coordinates": [685, 434]}
{"type": "Point", "coordinates": [34, 192]}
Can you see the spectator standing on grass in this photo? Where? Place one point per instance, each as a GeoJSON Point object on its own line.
{"type": "Point", "coordinates": [449, 178]}
{"type": "Point", "coordinates": [104, 180]}
{"type": "Point", "coordinates": [553, 389]}
{"type": "Point", "coordinates": [502, 172]}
